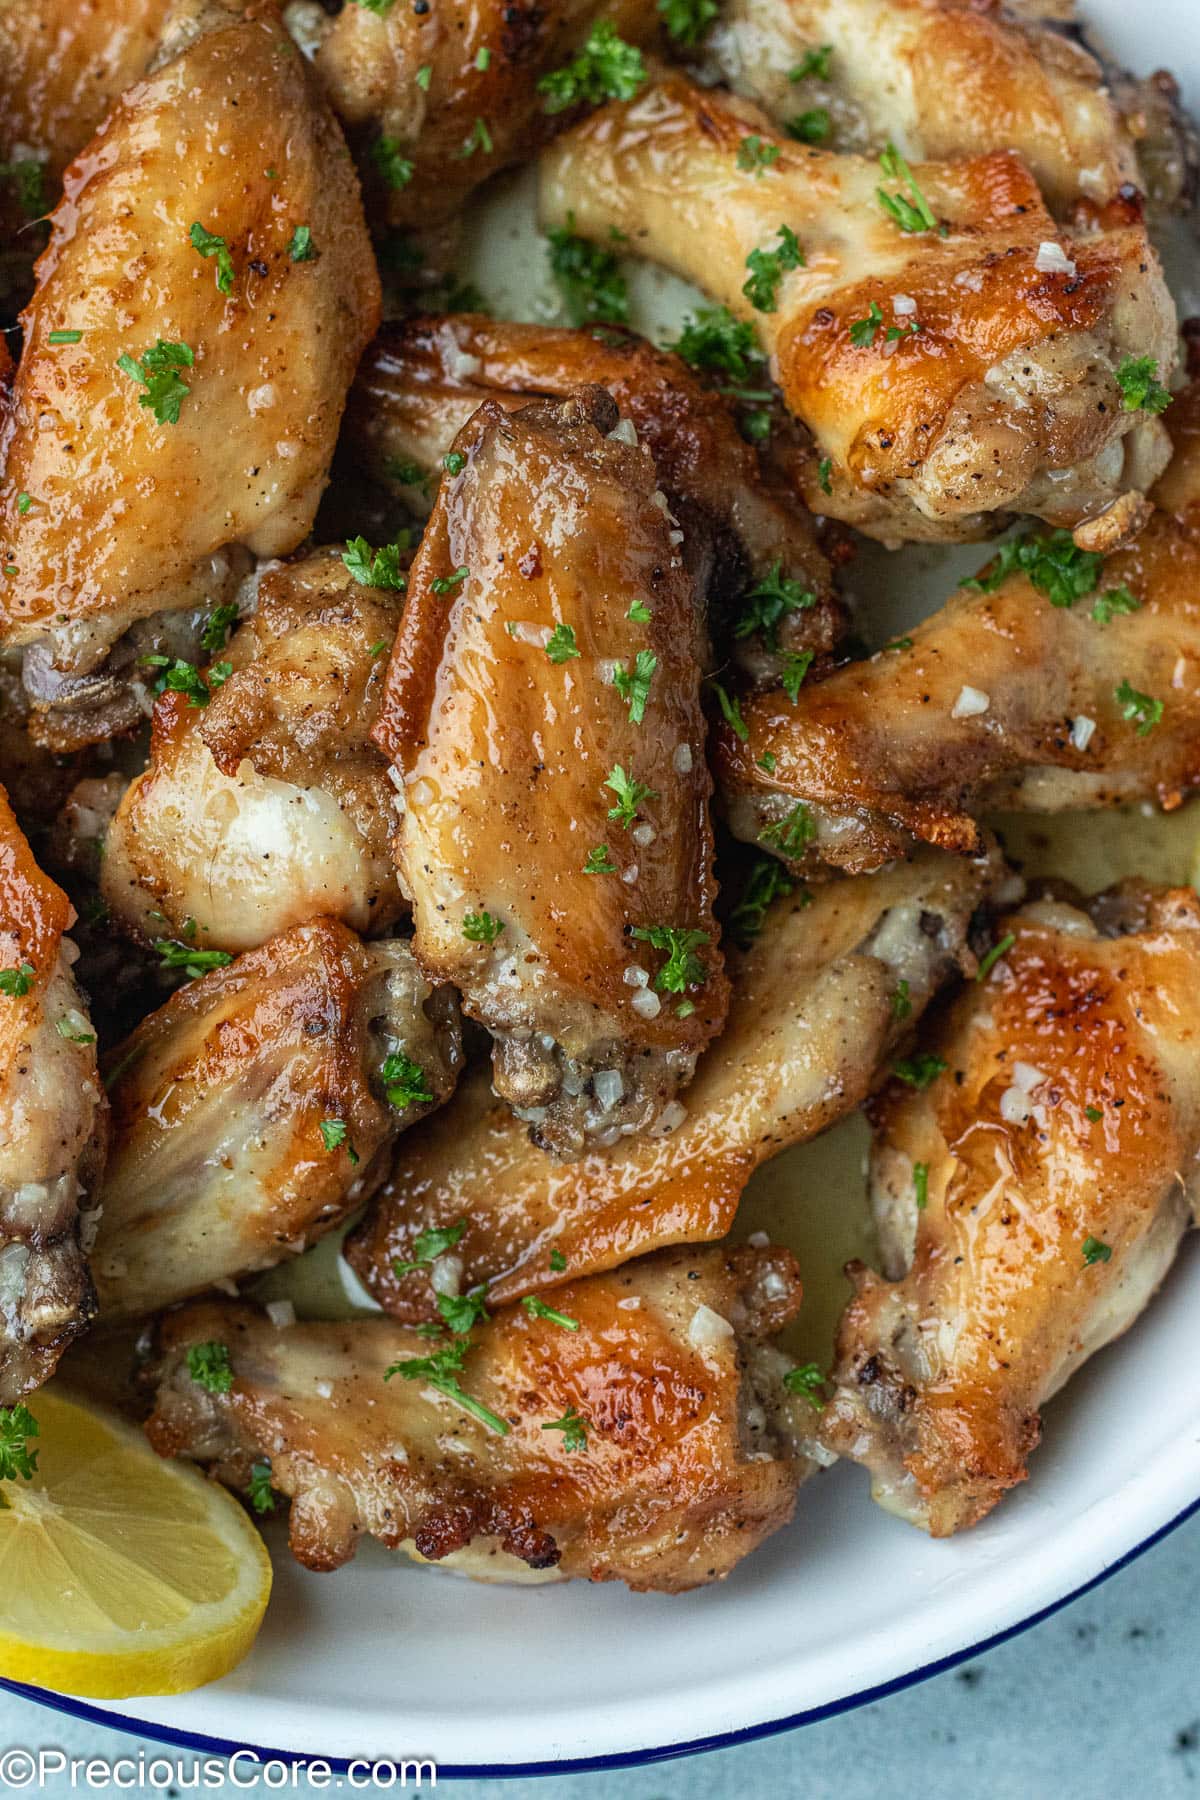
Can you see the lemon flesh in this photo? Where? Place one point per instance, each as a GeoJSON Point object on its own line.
{"type": "Point", "coordinates": [120, 1573]}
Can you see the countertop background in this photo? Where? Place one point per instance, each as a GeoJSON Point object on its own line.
{"type": "Point", "coordinates": [1102, 1699]}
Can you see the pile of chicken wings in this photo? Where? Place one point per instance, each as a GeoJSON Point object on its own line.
{"type": "Point", "coordinates": [449, 794]}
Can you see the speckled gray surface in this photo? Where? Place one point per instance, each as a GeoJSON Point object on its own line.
{"type": "Point", "coordinates": [1102, 1699]}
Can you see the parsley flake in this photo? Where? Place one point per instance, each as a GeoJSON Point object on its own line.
{"type": "Point", "coordinates": [404, 1082]}
{"type": "Point", "coordinates": [210, 1368]}
{"type": "Point", "coordinates": [481, 928]}
{"type": "Point", "coordinates": [1113, 602]}
{"type": "Point", "coordinates": [1095, 1251]}
{"type": "Point", "coordinates": [813, 65]}
{"type": "Point", "coordinates": [768, 881]}
{"type": "Point", "coordinates": [302, 248]}
{"type": "Point", "coordinates": [901, 1001]}
{"type": "Point", "coordinates": [375, 568]}
{"type": "Point", "coordinates": [180, 677]}
{"type": "Point", "coordinates": [537, 1309]}
{"type": "Point", "coordinates": [988, 962]}
{"type": "Point", "coordinates": [810, 127]}
{"type": "Point", "coordinates": [333, 1133]}
{"type": "Point", "coordinates": [921, 1185]}
{"type": "Point", "coordinates": [388, 156]}
{"type": "Point", "coordinates": [731, 710]}
{"type": "Point", "coordinates": [454, 462]}
{"type": "Point", "coordinates": [218, 625]}
{"type": "Point", "coordinates": [480, 138]}
{"type": "Point", "coordinates": [599, 861]}
{"type": "Point", "coordinates": [560, 645]}
{"type": "Point", "coordinates": [687, 20]}
{"type": "Point", "coordinates": [910, 215]}
{"type": "Point", "coordinates": [1053, 563]}
{"type": "Point", "coordinates": [682, 969]}
{"type": "Point", "coordinates": [193, 962]}
{"type": "Point", "coordinates": [258, 1488]}
{"type": "Point", "coordinates": [18, 1428]}
{"type": "Point", "coordinates": [17, 982]}
{"type": "Point", "coordinates": [588, 277]}
{"type": "Point", "coordinates": [767, 603]}
{"type": "Point", "coordinates": [755, 157]}
{"type": "Point", "coordinates": [862, 331]}
{"type": "Point", "coordinates": [441, 1371]}
{"type": "Point", "coordinates": [607, 68]}
{"type": "Point", "coordinates": [825, 474]}
{"type": "Point", "coordinates": [639, 612]}
{"type": "Point", "coordinates": [1136, 705]}
{"type": "Point", "coordinates": [920, 1070]}
{"type": "Point", "coordinates": [768, 267]}
{"type": "Point", "coordinates": [630, 795]}
{"type": "Point", "coordinates": [431, 1243]}
{"type": "Point", "coordinates": [558, 1261]}
{"type": "Point", "coordinates": [158, 372]}
{"type": "Point", "coordinates": [573, 1426]}
{"type": "Point", "coordinates": [63, 337]}
{"type": "Point", "coordinates": [712, 339]}
{"type": "Point", "coordinates": [1141, 390]}
{"type": "Point", "coordinates": [462, 1312]}
{"type": "Point", "coordinates": [808, 1382]}
{"type": "Point", "coordinates": [208, 243]}
{"type": "Point", "coordinates": [633, 685]}
{"type": "Point", "coordinates": [446, 584]}
{"type": "Point", "coordinates": [1093, 1113]}
{"type": "Point", "coordinates": [790, 835]}
{"type": "Point", "coordinates": [796, 665]}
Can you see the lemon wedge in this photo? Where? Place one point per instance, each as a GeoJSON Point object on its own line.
{"type": "Point", "coordinates": [120, 1573]}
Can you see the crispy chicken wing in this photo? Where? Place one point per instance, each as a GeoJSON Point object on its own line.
{"type": "Point", "coordinates": [443, 96]}
{"type": "Point", "coordinates": [1073, 681]}
{"type": "Point", "coordinates": [543, 718]}
{"type": "Point", "coordinates": [654, 1444]}
{"type": "Point", "coordinates": [1030, 1200]}
{"type": "Point", "coordinates": [943, 80]}
{"type": "Point", "coordinates": [257, 1108]}
{"type": "Point", "coordinates": [52, 1120]}
{"type": "Point", "coordinates": [270, 805]}
{"type": "Point", "coordinates": [819, 997]}
{"type": "Point", "coordinates": [420, 382]}
{"type": "Point", "coordinates": [207, 291]}
{"type": "Point", "coordinates": [949, 375]}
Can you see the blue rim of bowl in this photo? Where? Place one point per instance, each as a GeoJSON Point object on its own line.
{"type": "Point", "coordinates": [622, 1759]}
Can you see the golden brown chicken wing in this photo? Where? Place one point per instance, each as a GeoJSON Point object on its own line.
{"type": "Point", "coordinates": [543, 720]}
{"type": "Point", "coordinates": [52, 1124]}
{"type": "Point", "coordinates": [256, 1109]}
{"type": "Point", "coordinates": [420, 382]}
{"type": "Point", "coordinates": [823, 990]}
{"type": "Point", "coordinates": [649, 1439]}
{"type": "Point", "coordinates": [1032, 1176]}
{"type": "Point", "coordinates": [269, 805]}
{"type": "Point", "coordinates": [1059, 679]}
{"type": "Point", "coordinates": [955, 356]}
{"type": "Point", "coordinates": [207, 291]}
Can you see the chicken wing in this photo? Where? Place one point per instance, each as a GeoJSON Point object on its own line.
{"type": "Point", "coordinates": [52, 1124]}
{"type": "Point", "coordinates": [955, 356]}
{"type": "Point", "coordinates": [269, 805]}
{"type": "Point", "coordinates": [441, 97]}
{"type": "Point", "coordinates": [945, 80]}
{"type": "Point", "coordinates": [420, 382]}
{"type": "Point", "coordinates": [207, 291]}
{"type": "Point", "coordinates": [1030, 1196]}
{"type": "Point", "coordinates": [1059, 679]}
{"type": "Point", "coordinates": [822, 992]}
{"type": "Point", "coordinates": [649, 1441]}
{"type": "Point", "coordinates": [543, 718]}
{"type": "Point", "coordinates": [257, 1108]}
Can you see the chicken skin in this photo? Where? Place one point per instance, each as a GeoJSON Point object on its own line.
{"type": "Point", "coordinates": [1031, 1196]}
{"type": "Point", "coordinates": [649, 1441]}
{"type": "Point", "coordinates": [954, 355]}
{"type": "Point", "coordinates": [819, 998]}
{"type": "Point", "coordinates": [257, 1108]}
{"type": "Point", "coordinates": [960, 80]}
{"type": "Point", "coordinates": [52, 1124]}
{"type": "Point", "coordinates": [207, 291]}
{"type": "Point", "coordinates": [269, 805]}
{"type": "Point", "coordinates": [543, 719]}
{"type": "Point", "coordinates": [420, 382]}
{"type": "Point", "coordinates": [1072, 681]}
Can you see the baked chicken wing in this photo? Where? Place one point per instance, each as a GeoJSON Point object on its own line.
{"type": "Point", "coordinates": [268, 805]}
{"type": "Point", "coordinates": [650, 1440]}
{"type": "Point", "coordinates": [1030, 1198]}
{"type": "Point", "coordinates": [543, 719]}
{"type": "Point", "coordinates": [1060, 679]}
{"type": "Point", "coordinates": [822, 992]}
{"type": "Point", "coordinates": [52, 1120]}
{"type": "Point", "coordinates": [955, 356]}
{"type": "Point", "coordinates": [256, 1109]}
{"type": "Point", "coordinates": [207, 291]}
{"type": "Point", "coordinates": [420, 382]}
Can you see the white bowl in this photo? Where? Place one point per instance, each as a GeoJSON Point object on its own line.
{"type": "Point", "coordinates": [384, 1660]}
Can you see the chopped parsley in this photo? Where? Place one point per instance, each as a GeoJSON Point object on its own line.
{"type": "Point", "coordinates": [375, 568]}
{"type": "Point", "coordinates": [808, 1382]}
{"type": "Point", "coordinates": [480, 138]}
{"type": "Point", "coordinates": [558, 1261]}
{"type": "Point", "coordinates": [790, 835]}
{"type": "Point", "coordinates": [379, 7]}
{"type": "Point", "coordinates": [920, 1070]}
{"type": "Point", "coordinates": [1113, 602]}
{"type": "Point", "coordinates": [1094, 1251]}
{"type": "Point", "coordinates": [767, 603]}
{"type": "Point", "coordinates": [561, 645]}
{"type": "Point", "coordinates": [68, 1027]}
{"type": "Point", "coordinates": [630, 795]}
{"type": "Point", "coordinates": [768, 762]}
{"type": "Point", "coordinates": [210, 1368]}
{"type": "Point", "coordinates": [813, 65]}
{"type": "Point", "coordinates": [901, 1001]}
{"type": "Point", "coordinates": [639, 612]}
{"type": "Point", "coordinates": [17, 982]}
{"type": "Point", "coordinates": [1141, 390]}
{"type": "Point", "coordinates": [755, 157]}
{"type": "Point", "coordinates": [796, 665]}
{"type": "Point", "coordinates": [588, 277]}
{"type": "Point", "coordinates": [607, 68]}
{"type": "Point", "coordinates": [218, 625]}
{"type": "Point", "coordinates": [333, 1133]}
{"type": "Point", "coordinates": [731, 710]}
{"type": "Point", "coordinates": [1054, 564]}
{"type": "Point", "coordinates": [180, 677]}
{"type": "Point", "coordinates": [64, 337]}
{"type": "Point", "coordinates": [687, 20]}
{"type": "Point", "coordinates": [18, 1428]}
{"type": "Point", "coordinates": [302, 248]}
{"type": "Point", "coordinates": [387, 154]}
{"type": "Point", "coordinates": [825, 474]}
{"type": "Point", "coordinates": [429, 1244]}
{"type": "Point", "coordinates": [462, 1312]}
{"type": "Point", "coordinates": [258, 1489]}
{"type": "Point", "coordinates": [209, 244]}
{"type": "Point", "coordinates": [23, 504]}
{"type": "Point", "coordinates": [862, 331]}
{"type": "Point", "coordinates": [988, 962]}
{"type": "Point", "coordinates": [454, 462]}
{"type": "Point", "coordinates": [483, 58]}
{"type": "Point", "coordinates": [599, 861]}
{"type": "Point", "coordinates": [768, 267]}
{"type": "Point", "coordinates": [193, 962]}
{"type": "Point", "coordinates": [424, 76]}
{"type": "Point", "coordinates": [1136, 705]}
{"type": "Point", "coordinates": [1093, 1113]}
{"type": "Point", "coordinates": [633, 685]}
{"type": "Point", "coordinates": [441, 1371]}
{"type": "Point", "coordinates": [446, 584]}
{"type": "Point", "coordinates": [812, 126]}
{"type": "Point", "coordinates": [537, 1309]}
{"type": "Point", "coordinates": [158, 372]}
{"type": "Point", "coordinates": [768, 881]}
{"type": "Point", "coordinates": [481, 927]}
{"type": "Point", "coordinates": [712, 339]}
{"type": "Point", "coordinates": [404, 1082]}
{"type": "Point", "coordinates": [683, 968]}
{"type": "Point", "coordinates": [913, 214]}
{"type": "Point", "coordinates": [921, 1185]}
{"type": "Point", "coordinates": [573, 1425]}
